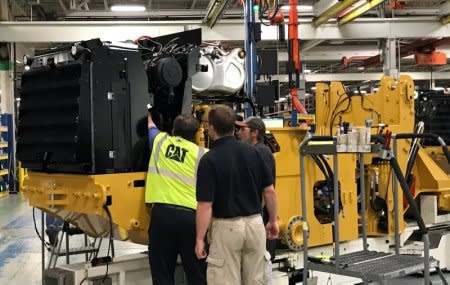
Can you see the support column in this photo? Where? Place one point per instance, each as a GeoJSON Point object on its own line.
{"type": "Point", "coordinates": [250, 58]}
{"type": "Point", "coordinates": [390, 67]}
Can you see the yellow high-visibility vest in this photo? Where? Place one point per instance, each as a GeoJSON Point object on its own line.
{"type": "Point", "coordinates": [172, 171]}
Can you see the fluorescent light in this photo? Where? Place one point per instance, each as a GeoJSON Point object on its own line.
{"type": "Point", "coordinates": [127, 8]}
{"type": "Point", "coordinates": [306, 71]}
{"type": "Point", "coordinates": [300, 8]}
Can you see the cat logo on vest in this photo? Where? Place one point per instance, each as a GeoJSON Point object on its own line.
{"type": "Point", "coordinates": [176, 153]}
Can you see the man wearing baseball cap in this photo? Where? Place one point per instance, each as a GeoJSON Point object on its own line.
{"type": "Point", "coordinates": [251, 131]}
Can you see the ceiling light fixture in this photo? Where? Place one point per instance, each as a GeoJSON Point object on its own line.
{"type": "Point", "coordinates": [127, 8]}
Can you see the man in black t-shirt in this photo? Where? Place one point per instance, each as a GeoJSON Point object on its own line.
{"type": "Point", "coordinates": [232, 180]}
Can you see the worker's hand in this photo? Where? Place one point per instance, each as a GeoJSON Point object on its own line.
{"type": "Point", "coordinates": [200, 250]}
{"type": "Point", "coordinates": [272, 230]}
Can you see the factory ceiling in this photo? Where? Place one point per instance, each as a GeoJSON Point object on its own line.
{"type": "Point", "coordinates": [318, 56]}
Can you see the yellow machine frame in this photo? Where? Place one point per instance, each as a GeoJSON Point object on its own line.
{"type": "Point", "coordinates": [79, 198]}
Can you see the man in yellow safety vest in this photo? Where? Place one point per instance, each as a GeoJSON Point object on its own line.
{"type": "Point", "coordinates": [170, 192]}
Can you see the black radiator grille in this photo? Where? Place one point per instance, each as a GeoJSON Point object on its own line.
{"type": "Point", "coordinates": [48, 117]}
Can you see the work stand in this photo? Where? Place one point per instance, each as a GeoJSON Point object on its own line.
{"type": "Point", "coordinates": [370, 266]}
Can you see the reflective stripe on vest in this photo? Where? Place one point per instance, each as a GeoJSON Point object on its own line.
{"type": "Point", "coordinates": [172, 171]}
{"type": "Point", "coordinates": [171, 174]}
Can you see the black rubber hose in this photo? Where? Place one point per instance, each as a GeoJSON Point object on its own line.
{"type": "Point", "coordinates": [412, 204]}
{"type": "Point", "coordinates": [410, 165]}
{"type": "Point", "coordinates": [327, 166]}
{"type": "Point", "coordinates": [428, 136]}
{"type": "Point", "coordinates": [320, 165]}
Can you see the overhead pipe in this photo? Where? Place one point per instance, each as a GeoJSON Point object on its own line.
{"type": "Point", "coordinates": [332, 11]}
{"type": "Point", "coordinates": [350, 16]}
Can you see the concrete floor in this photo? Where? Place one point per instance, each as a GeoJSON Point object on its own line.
{"type": "Point", "coordinates": [20, 248]}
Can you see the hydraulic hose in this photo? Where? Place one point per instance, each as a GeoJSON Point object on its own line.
{"type": "Point", "coordinates": [428, 136]}
{"type": "Point", "coordinates": [412, 205]}
{"type": "Point", "coordinates": [414, 150]}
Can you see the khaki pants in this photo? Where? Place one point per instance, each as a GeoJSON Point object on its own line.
{"type": "Point", "coordinates": [237, 254]}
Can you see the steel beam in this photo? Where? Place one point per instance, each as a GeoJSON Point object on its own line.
{"type": "Point", "coordinates": [350, 16]}
{"type": "Point", "coordinates": [374, 76]}
{"type": "Point", "coordinates": [227, 30]}
{"type": "Point", "coordinates": [149, 14]}
{"type": "Point", "coordinates": [332, 11]}
{"type": "Point", "coordinates": [215, 11]}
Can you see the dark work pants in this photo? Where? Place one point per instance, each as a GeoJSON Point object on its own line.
{"type": "Point", "coordinates": [172, 232]}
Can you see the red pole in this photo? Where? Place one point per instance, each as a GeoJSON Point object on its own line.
{"type": "Point", "coordinates": [295, 53]}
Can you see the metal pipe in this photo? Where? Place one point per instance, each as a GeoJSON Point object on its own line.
{"type": "Point", "coordinates": [395, 194]}
{"type": "Point", "coordinates": [250, 57]}
{"type": "Point", "coordinates": [363, 199]}
{"type": "Point", "coordinates": [42, 245]}
{"type": "Point", "coordinates": [332, 11]}
{"type": "Point", "coordinates": [336, 210]}
{"type": "Point", "coordinates": [426, 255]}
{"type": "Point", "coordinates": [303, 202]}
{"type": "Point", "coordinates": [350, 16]}
{"type": "Point", "coordinates": [304, 217]}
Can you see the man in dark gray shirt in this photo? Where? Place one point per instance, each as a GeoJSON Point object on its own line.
{"type": "Point", "coordinates": [251, 131]}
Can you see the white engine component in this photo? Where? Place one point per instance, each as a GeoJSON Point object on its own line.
{"type": "Point", "coordinates": [225, 74]}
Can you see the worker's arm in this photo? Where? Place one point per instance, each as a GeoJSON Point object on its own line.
{"type": "Point", "coordinates": [153, 130]}
{"type": "Point", "coordinates": [202, 220]}
{"type": "Point", "coordinates": [205, 188]}
{"type": "Point", "coordinates": [151, 124]}
{"type": "Point", "coordinates": [270, 199]}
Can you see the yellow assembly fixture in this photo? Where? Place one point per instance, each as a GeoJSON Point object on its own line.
{"type": "Point", "coordinates": [332, 11]}
{"type": "Point", "coordinates": [350, 16]}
